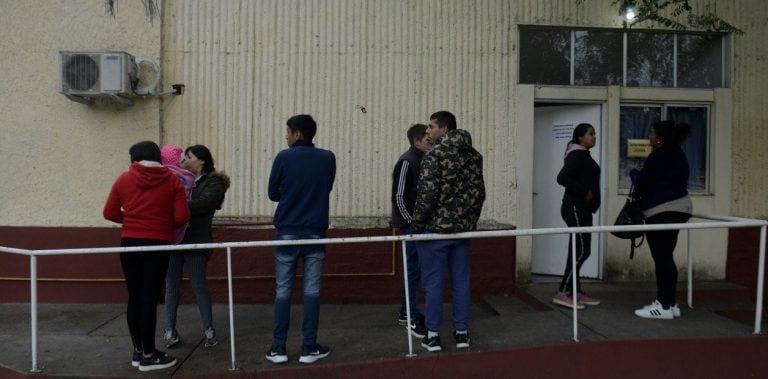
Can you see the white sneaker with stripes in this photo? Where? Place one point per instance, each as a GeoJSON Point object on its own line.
{"type": "Point", "coordinates": [655, 310]}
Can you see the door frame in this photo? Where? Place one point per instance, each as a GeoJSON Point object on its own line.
{"type": "Point", "coordinates": [527, 96]}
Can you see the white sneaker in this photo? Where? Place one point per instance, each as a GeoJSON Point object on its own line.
{"type": "Point", "coordinates": [655, 310]}
{"type": "Point", "coordinates": [676, 310]}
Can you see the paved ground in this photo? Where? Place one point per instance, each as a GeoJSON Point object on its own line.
{"type": "Point", "coordinates": [91, 340]}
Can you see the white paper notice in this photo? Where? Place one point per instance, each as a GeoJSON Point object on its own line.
{"type": "Point", "coordinates": [563, 131]}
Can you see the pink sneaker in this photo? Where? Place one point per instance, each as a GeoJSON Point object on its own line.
{"type": "Point", "coordinates": [566, 301]}
{"type": "Point", "coordinates": [587, 300]}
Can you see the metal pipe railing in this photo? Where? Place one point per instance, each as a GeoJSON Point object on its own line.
{"type": "Point", "coordinates": [720, 222]}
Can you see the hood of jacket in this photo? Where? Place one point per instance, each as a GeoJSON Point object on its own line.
{"type": "Point", "coordinates": [457, 139]}
{"type": "Point", "coordinates": [148, 174]}
{"type": "Point", "coordinates": [221, 175]}
{"type": "Point", "coordinates": [571, 147]}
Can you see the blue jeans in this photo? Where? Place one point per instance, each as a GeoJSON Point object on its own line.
{"type": "Point", "coordinates": [438, 259]}
{"type": "Point", "coordinates": [196, 261]}
{"type": "Point", "coordinates": [286, 258]}
{"type": "Point", "coordinates": [414, 272]}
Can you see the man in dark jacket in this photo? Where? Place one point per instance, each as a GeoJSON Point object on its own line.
{"type": "Point", "coordinates": [404, 179]}
{"type": "Point", "coordinates": [449, 198]}
{"type": "Point", "coordinates": [300, 182]}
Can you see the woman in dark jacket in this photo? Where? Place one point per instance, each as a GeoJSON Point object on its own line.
{"type": "Point", "coordinates": [580, 176]}
{"type": "Point", "coordinates": [662, 186]}
{"type": "Point", "coordinates": [207, 197]}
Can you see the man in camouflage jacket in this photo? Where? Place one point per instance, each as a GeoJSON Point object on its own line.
{"type": "Point", "coordinates": [449, 198]}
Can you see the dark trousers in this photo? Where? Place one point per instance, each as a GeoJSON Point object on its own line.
{"type": "Point", "coordinates": [144, 276]}
{"type": "Point", "coordinates": [414, 274]}
{"type": "Point", "coordinates": [662, 244]}
{"type": "Point", "coordinates": [575, 217]}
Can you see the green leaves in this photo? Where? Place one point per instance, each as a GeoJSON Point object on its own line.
{"type": "Point", "coordinates": [668, 13]}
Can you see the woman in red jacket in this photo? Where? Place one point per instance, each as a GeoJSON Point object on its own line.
{"type": "Point", "coordinates": [150, 202]}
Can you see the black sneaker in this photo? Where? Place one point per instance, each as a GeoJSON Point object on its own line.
{"type": "Point", "coordinates": [135, 359]}
{"type": "Point", "coordinates": [157, 361]}
{"type": "Point", "coordinates": [462, 340]}
{"type": "Point", "coordinates": [311, 354]}
{"type": "Point", "coordinates": [431, 343]}
{"type": "Point", "coordinates": [276, 354]}
{"type": "Point", "coordinates": [418, 329]}
{"type": "Point", "coordinates": [402, 319]}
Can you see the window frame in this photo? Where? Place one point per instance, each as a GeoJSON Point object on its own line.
{"type": "Point", "coordinates": [664, 105]}
{"type": "Point", "coordinates": [724, 57]}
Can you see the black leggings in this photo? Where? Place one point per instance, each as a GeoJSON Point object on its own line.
{"type": "Point", "coordinates": [575, 217]}
{"type": "Point", "coordinates": [662, 244]}
{"type": "Point", "coordinates": [144, 276]}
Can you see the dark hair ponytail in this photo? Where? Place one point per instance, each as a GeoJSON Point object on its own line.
{"type": "Point", "coordinates": [671, 132]}
{"type": "Point", "coordinates": [579, 132]}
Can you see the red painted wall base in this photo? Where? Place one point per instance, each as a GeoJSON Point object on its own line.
{"type": "Point", "coordinates": [354, 273]}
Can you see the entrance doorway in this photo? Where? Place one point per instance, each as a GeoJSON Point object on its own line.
{"type": "Point", "coordinates": [553, 128]}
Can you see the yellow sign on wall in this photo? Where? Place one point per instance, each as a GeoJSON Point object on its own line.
{"type": "Point", "coordinates": [638, 148]}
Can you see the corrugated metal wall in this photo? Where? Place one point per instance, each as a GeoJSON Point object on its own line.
{"type": "Point", "coordinates": [250, 65]}
{"type": "Point", "coordinates": [749, 81]}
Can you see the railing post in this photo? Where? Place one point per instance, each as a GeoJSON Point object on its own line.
{"type": "Point", "coordinates": [231, 310]}
{"type": "Point", "coordinates": [760, 282]}
{"type": "Point", "coordinates": [574, 292]}
{"type": "Point", "coordinates": [690, 271]}
{"type": "Point", "coordinates": [407, 301]}
{"type": "Point", "coordinates": [33, 311]}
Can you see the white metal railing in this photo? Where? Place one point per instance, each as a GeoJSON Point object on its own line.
{"type": "Point", "coordinates": [715, 222]}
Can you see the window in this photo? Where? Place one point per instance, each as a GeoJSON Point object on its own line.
{"type": "Point", "coordinates": [597, 58]}
{"type": "Point", "coordinates": [635, 121]}
{"type": "Point", "coordinates": [602, 57]}
{"type": "Point", "coordinates": [699, 61]}
{"type": "Point", "coordinates": [650, 59]}
{"type": "Point", "coordinates": [552, 61]}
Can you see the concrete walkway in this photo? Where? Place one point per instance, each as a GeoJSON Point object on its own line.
{"type": "Point", "coordinates": [92, 341]}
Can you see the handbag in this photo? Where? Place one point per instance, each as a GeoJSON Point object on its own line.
{"type": "Point", "coordinates": [631, 214]}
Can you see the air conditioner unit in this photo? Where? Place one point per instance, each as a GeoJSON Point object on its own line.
{"type": "Point", "coordinates": [92, 74]}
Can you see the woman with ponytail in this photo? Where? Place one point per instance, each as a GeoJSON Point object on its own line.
{"type": "Point", "coordinates": [207, 197]}
{"type": "Point", "coordinates": [580, 176]}
{"type": "Point", "coordinates": [662, 186]}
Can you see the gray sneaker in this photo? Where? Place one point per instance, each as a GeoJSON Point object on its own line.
{"type": "Point", "coordinates": [210, 338]}
{"type": "Point", "coordinates": [171, 338]}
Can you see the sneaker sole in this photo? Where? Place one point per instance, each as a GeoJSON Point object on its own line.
{"type": "Point", "coordinates": [402, 322]}
{"type": "Point", "coordinates": [157, 367]}
{"type": "Point", "coordinates": [312, 358]}
{"type": "Point", "coordinates": [591, 303]}
{"type": "Point", "coordinates": [654, 317]}
{"type": "Point", "coordinates": [170, 345]}
{"type": "Point", "coordinates": [207, 344]}
{"type": "Point", "coordinates": [431, 348]}
{"type": "Point", "coordinates": [277, 358]}
{"type": "Point", "coordinates": [135, 363]}
{"type": "Point", "coordinates": [462, 345]}
{"type": "Point", "coordinates": [415, 333]}
{"type": "Point", "coordinates": [564, 304]}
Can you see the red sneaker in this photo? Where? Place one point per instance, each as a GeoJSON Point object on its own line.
{"type": "Point", "coordinates": [566, 301]}
{"type": "Point", "coordinates": [587, 300]}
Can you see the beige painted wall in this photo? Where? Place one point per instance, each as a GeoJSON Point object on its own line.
{"type": "Point", "coordinates": [61, 157]}
{"type": "Point", "coordinates": [249, 65]}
